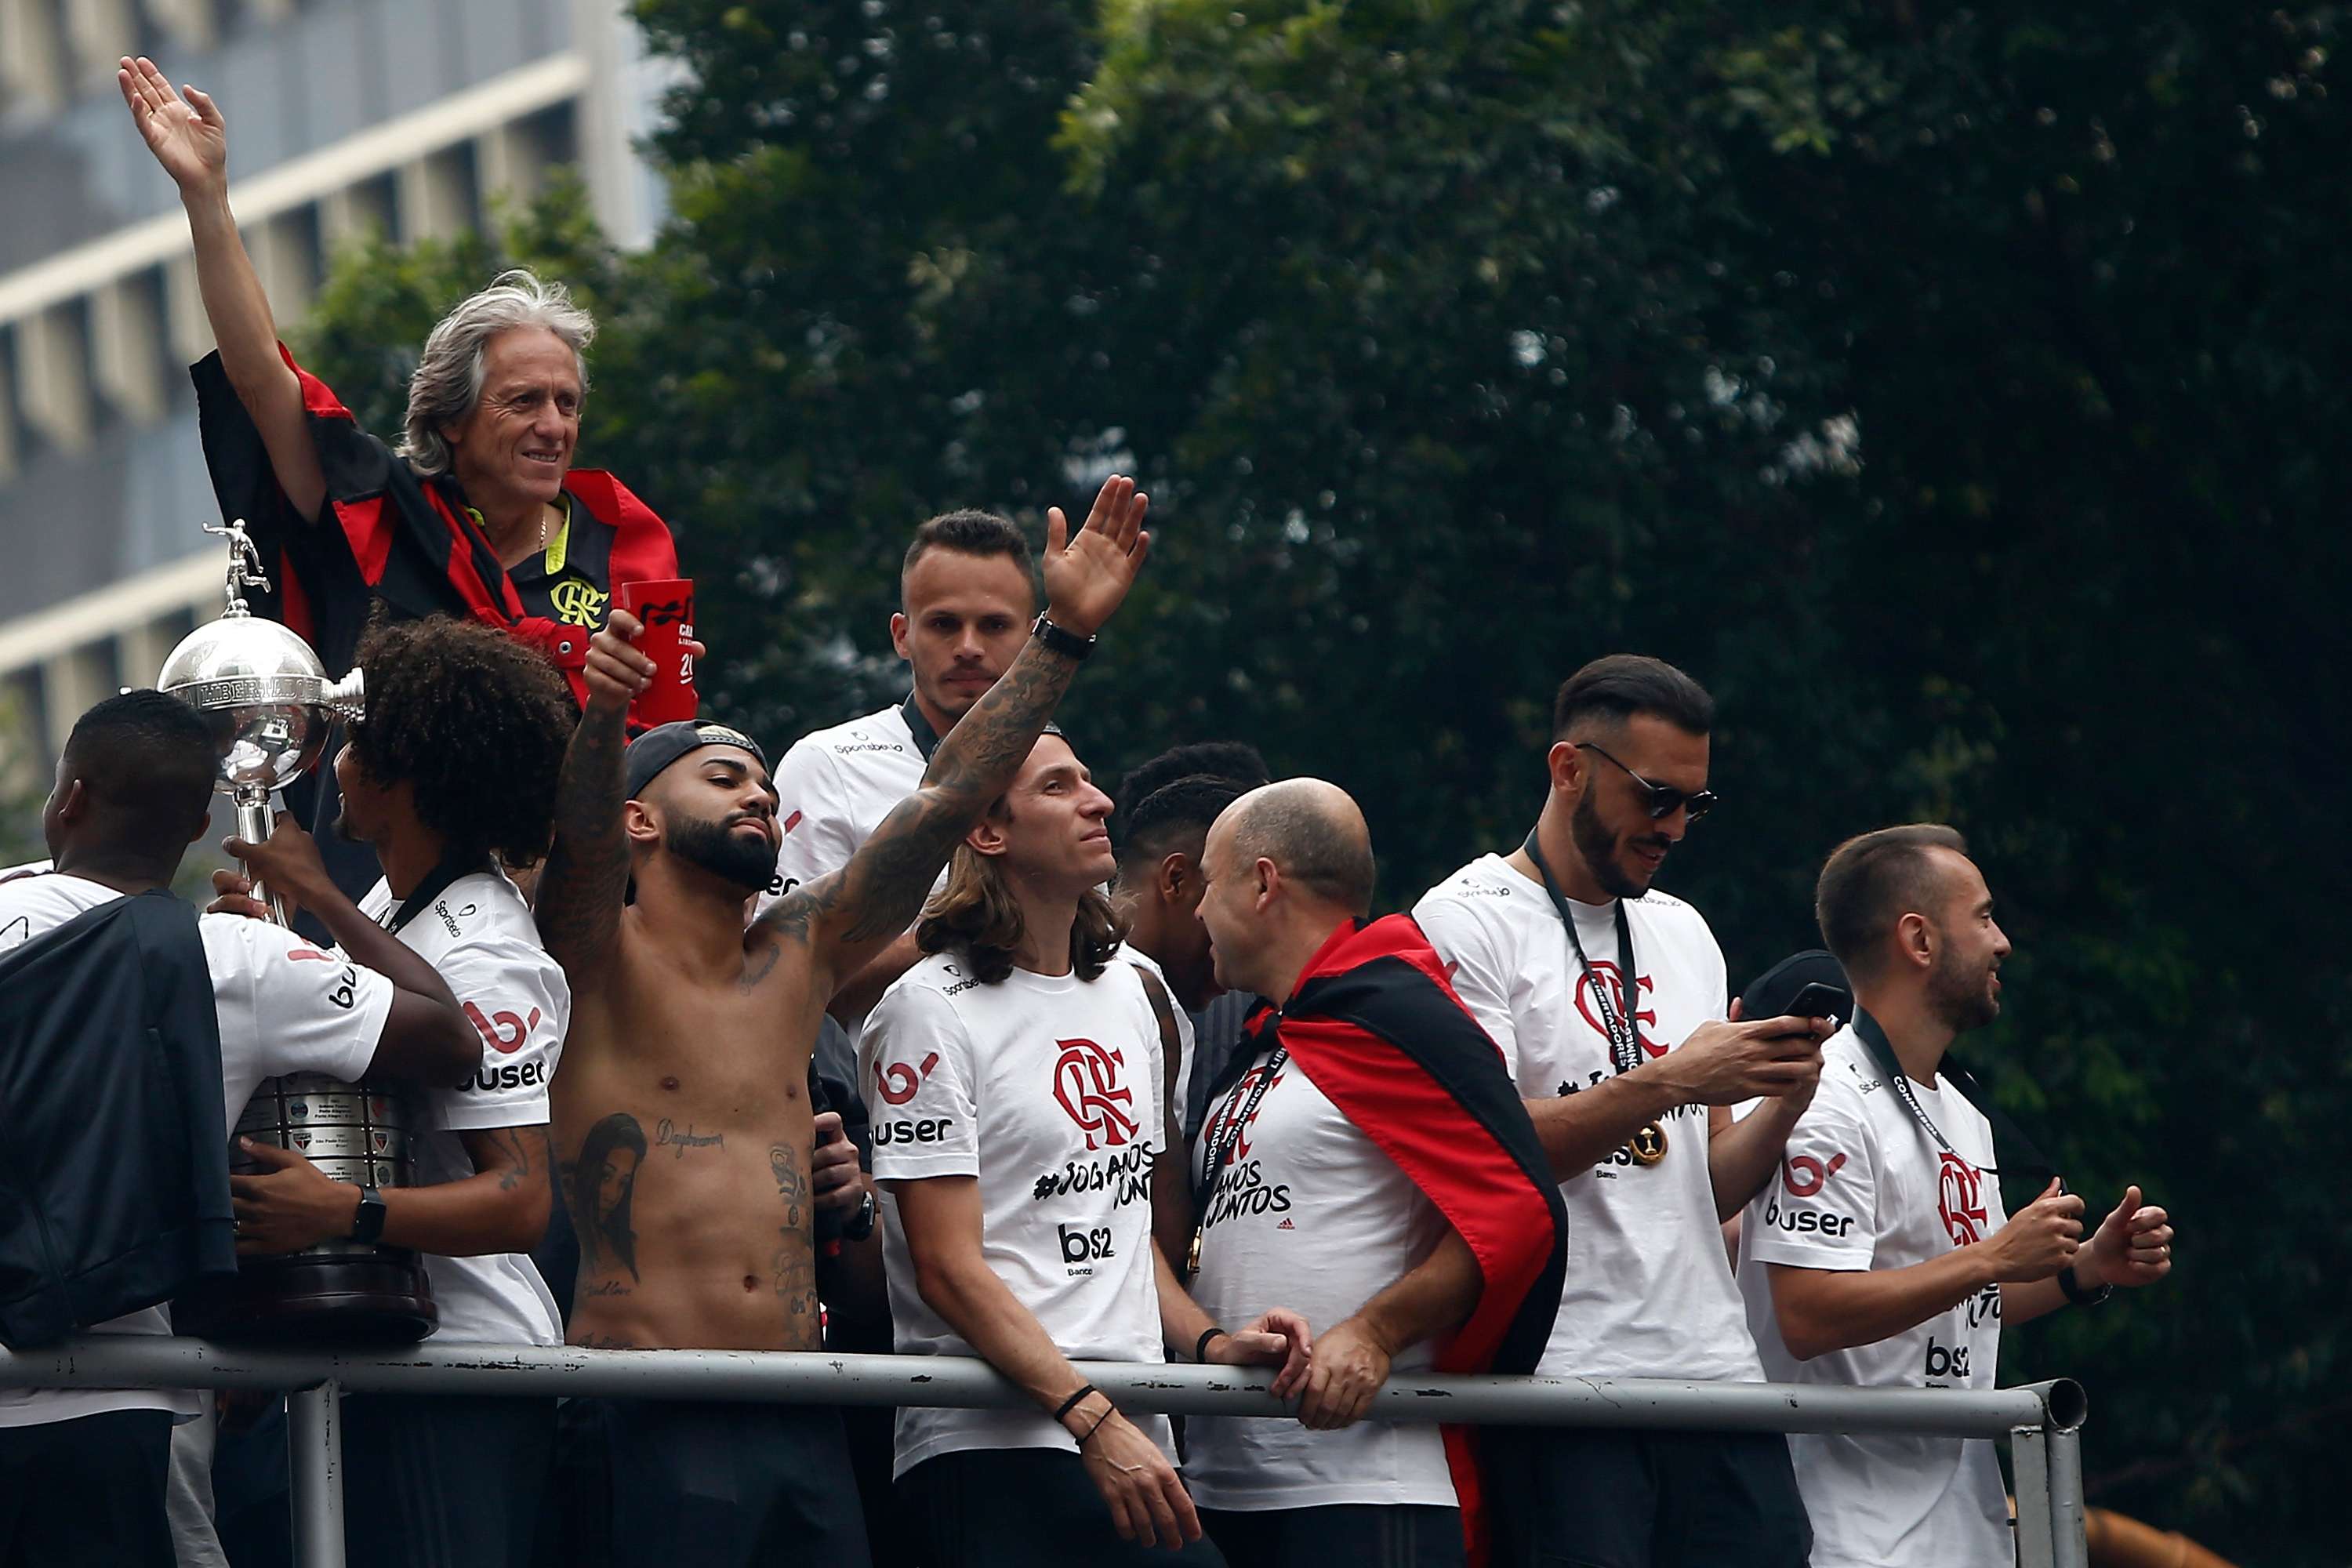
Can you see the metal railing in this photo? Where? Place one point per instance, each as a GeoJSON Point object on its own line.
{"type": "Point", "coordinates": [2040, 1420]}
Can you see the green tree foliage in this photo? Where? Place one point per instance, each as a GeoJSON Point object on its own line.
{"type": "Point", "coordinates": [1949, 389]}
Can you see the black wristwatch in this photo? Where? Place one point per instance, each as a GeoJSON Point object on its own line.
{"type": "Point", "coordinates": [1057, 639]}
{"type": "Point", "coordinates": [2073, 1289]}
{"type": "Point", "coordinates": [367, 1225]}
{"type": "Point", "coordinates": [860, 1225]}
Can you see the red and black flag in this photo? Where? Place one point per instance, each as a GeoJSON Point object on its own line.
{"type": "Point", "coordinates": [1376, 1025]}
{"type": "Point", "coordinates": [406, 539]}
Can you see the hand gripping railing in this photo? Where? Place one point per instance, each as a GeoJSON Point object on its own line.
{"type": "Point", "coordinates": [2040, 1420]}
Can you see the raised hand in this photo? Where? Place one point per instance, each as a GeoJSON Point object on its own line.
{"type": "Point", "coordinates": [616, 671]}
{"type": "Point", "coordinates": [187, 135]}
{"type": "Point", "coordinates": [2133, 1246]}
{"type": "Point", "coordinates": [1088, 574]}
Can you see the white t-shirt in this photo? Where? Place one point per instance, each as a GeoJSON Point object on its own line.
{"type": "Point", "coordinates": [479, 937]}
{"type": "Point", "coordinates": [1862, 1186]}
{"type": "Point", "coordinates": [1648, 1292]}
{"type": "Point", "coordinates": [1306, 1214]}
{"type": "Point", "coordinates": [283, 1007]}
{"type": "Point", "coordinates": [1185, 1052]}
{"type": "Point", "coordinates": [832, 790]}
{"type": "Point", "coordinates": [1047, 1090]}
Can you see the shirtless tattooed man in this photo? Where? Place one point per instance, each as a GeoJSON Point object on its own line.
{"type": "Point", "coordinates": [681, 1113]}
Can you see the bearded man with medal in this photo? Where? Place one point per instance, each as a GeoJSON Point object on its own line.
{"type": "Point", "coordinates": [1608, 1001]}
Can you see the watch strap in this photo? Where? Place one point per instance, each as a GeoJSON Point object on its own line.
{"type": "Point", "coordinates": [1061, 640]}
{"type": "Point", "coordinates": [367, 1225]}
{"type": "Point", "coordinates": [2073, 1289]}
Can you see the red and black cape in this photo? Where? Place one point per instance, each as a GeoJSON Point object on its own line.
{"type": "Point", "coordinates": [1377, 1027]}
{"type": "Point", "coordinates": [400, 537]}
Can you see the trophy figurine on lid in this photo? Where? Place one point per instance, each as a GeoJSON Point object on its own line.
{"type": "Point", "coordinates": [271, 707]}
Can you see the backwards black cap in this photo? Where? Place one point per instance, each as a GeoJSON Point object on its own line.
{"type": "Point", "coordinates": [663, 745]}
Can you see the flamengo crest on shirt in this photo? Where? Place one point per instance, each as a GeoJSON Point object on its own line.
{"type": "Point", "coordinates": [1606, 973]}
{"type": "Point", "coordinates": [1085, 1085]}
{"type": "Point", "coordinates": [1960, 1199]}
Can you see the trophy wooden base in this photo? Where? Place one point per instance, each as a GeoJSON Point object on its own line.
{"type": "Point", "coordinates": [355, 1295]}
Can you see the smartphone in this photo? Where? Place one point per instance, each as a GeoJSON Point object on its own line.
{"type": "Point", "coordinates": [666, 606]}
{"type": "Point", "coordinates": [1816, 1000]}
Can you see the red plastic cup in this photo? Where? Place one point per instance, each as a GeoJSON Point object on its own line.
{"type": "Point", "coordinates": [666, 606]}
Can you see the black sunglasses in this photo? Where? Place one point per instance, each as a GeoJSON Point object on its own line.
{"type": "Point", "coordinates": [1663, 798]}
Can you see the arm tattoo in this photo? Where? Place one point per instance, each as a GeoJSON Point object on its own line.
{"type": "Point", "coordinates": [598, 1188]}
{"type": "Point", "coordinates": [508, 1149]}
{"type": "Point", "coordinates": [587, 873]}
{"type": "Point", "coordinates": [795, 1261]}
{"type": "Point", "coordinates": [879, 894]}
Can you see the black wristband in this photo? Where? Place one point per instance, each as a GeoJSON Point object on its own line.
{"type": "Point", "coordinates": [1061, 640]}
{"type": "Point", "coordinates": [1072, 1402]}
{"type": "Point", "coordinates": [1098, 1424]}
{"type": "Point", "coordinates": [2073, 1289]}
{"type": "Point", "coordinates": [1201, 1346]}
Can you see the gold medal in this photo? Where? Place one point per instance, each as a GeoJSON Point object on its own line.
{"type": "Point", "coordinates": [1192, 1257]}
{"type": "Point", "coordinates": [1648, 1145]}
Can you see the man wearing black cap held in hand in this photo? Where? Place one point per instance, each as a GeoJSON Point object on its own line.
{"type": "Point", "coordinates": [687, 1066]}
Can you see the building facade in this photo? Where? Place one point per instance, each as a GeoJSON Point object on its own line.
{"type": "Point", "coordinates": [404, 116]}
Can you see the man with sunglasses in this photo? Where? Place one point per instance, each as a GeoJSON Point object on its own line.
{"type": "Point", "coordinates": [1882, 1256]}
{"type": "Point", "coordinates": [1608, 1001]}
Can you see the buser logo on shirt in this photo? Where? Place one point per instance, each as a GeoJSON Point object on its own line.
{"type": "Point", "coordinates": [1804, 1175]}
{"type": "Point", "coordinates": [1085, 1085]}
{"type": "Point", "coordinates": [506, 1031]}
{"type": "Point", "coordinates": [898, 1082]}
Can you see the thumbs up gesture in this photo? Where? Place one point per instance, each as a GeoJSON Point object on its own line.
{"type": "Point", "coordinates": [2133, 1246]}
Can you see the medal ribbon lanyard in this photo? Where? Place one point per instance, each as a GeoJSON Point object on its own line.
{"type": "Point", "coordinates": [1219, 1150]}
{"type": "Point", "coordinates": [1624, 1046]}
{"type": "Point", "coordinates": [2035, 1166]}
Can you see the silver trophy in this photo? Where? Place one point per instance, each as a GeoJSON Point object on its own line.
{"type": "Point", "coordinates": [265, 693]}
{"type": "Point", "coordinates": [271, 707]}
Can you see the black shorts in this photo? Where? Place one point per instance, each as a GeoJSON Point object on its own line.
{"type": "Point", "coordinates": [1358, 1535]}
{"type": "Point", "coordinates": [439, 1480]}
{"type": "Point", "coordinates": [1576, 1497]}
{"type": "Point", "coordinates": [87, 1490]}
{"type": "Point", "coordinates": [717, 1484]}
{"type": "Point", "coordinates": [1024, 1508]}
